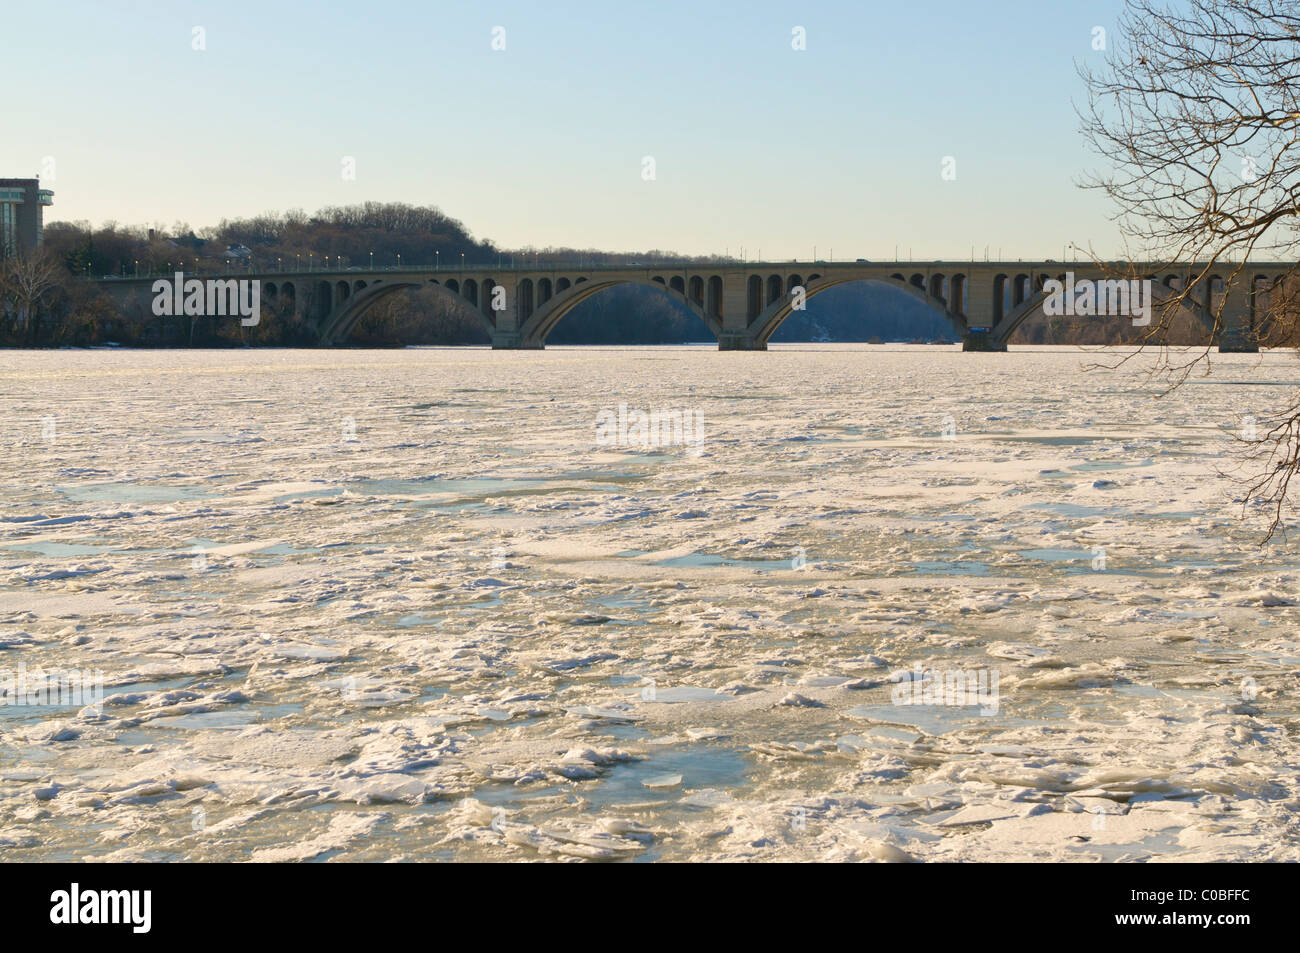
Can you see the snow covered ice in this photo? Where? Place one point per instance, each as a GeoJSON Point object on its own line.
{"type": "Point", "coordinates": [376, 605]}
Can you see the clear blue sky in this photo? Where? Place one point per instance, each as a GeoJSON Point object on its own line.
{"type": "Point", "coordinates": [755, 144]}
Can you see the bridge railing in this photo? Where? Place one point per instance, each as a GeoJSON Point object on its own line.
{"type": "Point", "coordinates": [143, 272]}
{"type": "Point", "coordinates": [234, 270]}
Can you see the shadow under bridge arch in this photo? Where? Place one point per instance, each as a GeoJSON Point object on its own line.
{"type": "Point", "coordinates": [893, 307]}
{"type": "Point", "coordinates": [345, 316]}
{"type": "Point", "coordinates": [537, 326]}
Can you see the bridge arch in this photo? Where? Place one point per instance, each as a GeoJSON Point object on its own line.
{"type": "Point", "coordinates": [1172, 284]}
{"type": "Point", "coordinates": [524, 294]}
{"type": "Point", "coordinates": [764, 326]}
{"type": "Point", "coordinates": [336, 325]}
{"type": "Point", "coordinates": [1261, 299]}
{"type": "Point", "coordinates": [534, 330]}
{"type": "Point", "coordinates": [938, 286]}
{"type": "Point", "coordinates": [714, 305]}
{"type": "Point", "coordinates": [774, 291]}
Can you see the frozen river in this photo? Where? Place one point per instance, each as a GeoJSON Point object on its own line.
{"type": "Point", "coordinates": [447, 604]}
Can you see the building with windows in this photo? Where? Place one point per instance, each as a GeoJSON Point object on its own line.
{"type": "Point", "coordinates": [22, 204]}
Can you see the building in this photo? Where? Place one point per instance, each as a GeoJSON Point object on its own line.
{"type": "Point", "coordinates": [22, 204]}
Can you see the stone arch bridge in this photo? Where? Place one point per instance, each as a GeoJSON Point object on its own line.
{"type": "Point", "coordinates": [741, 304]}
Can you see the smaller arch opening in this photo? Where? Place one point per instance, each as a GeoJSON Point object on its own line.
{"type": "Point", "coordinates": [753, 297]}
{"type": "Point", "coordinates": [524, 299]}
{"type": "Point", "coordinates": [1001, 287]}
{"type": "Point", "coordinates": [774, 293]}
{"type": "Point", "coordinates": [697, 290]}
{"type": "Point", "coordinates": [715, 296]}
{"type": "Point", "coordinates": [957, 294]}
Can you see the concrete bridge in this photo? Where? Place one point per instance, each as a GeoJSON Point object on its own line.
{"type": "Point", "coordinates": [741, 303]}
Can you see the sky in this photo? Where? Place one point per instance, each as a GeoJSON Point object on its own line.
{"type": "Point", "coordinates": [162, 111]}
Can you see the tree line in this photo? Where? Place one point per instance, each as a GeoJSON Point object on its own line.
{"type": "Point", "coordinates": [45, 300]}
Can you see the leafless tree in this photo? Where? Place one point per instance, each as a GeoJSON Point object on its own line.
{"type": "Point", "coordinates": [1196, 117]}
{"type": "Point", "coordinates": [25, 282]}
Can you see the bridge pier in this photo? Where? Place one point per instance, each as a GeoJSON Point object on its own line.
{"type": "Point", "coordinates": [740, 342]}
{"type": "Point", "coordinates": [1236, 336]}
{"type": "Point", "coordinates": [512, 341]}
{"type": "Point", "coordinates": [1237, 341]}
{"type": "Point", "coordinates": [982, 341]}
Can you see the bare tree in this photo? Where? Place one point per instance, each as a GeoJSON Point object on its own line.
{"type": "Point", "coordinates": [1196, 115]}
{"type": "Point", "coordinates": [25, 282]}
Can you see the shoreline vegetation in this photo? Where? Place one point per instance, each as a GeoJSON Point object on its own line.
{"type": "Point", "coordinates": [46, 301]}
